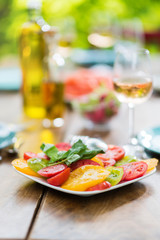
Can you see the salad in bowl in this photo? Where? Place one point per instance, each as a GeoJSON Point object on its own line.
{"type": "Point", "coordinates": [97, 107]}
{"type": "Point", "coordinates": [90, 91]}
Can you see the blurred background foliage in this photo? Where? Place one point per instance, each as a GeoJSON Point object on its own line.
{"type": "Point", "coordinates": [81, 16]}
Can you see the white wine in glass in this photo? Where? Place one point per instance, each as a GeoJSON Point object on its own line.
{"type": "Point", "coordinates": [133, 85]}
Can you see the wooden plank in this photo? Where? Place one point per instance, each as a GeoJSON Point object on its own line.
{"type": "Point", "coordinates": [131, 212]}
{"type": "Point", "coordinates": [18, 201]}
{"type": "Point", "coordinates": [20, 197]}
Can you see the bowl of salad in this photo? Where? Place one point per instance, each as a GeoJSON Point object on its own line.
{"type": "Point", "coordinates": [97, 108]}
{"type": "Point", "coordinates": [90, 91]}
{"type": "Point", "coordinates": [83, 81]}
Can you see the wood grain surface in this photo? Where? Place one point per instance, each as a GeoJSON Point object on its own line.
{"type": "Point", "coordinates": [18, 200]}
{"type": "Point", "coordinates": [20, 197]}
{"type": "Point", "coordinates": [131, 212]}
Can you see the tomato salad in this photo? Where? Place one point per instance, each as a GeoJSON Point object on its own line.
{"type": "Point", "coordinates": [78, 168]}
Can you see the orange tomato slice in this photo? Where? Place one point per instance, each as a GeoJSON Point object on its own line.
{"type": "Point", "coordinates": [84, 177]}
{"type": "Point", "coordinates": [151, 162]}
{"type": "Point", "coordinates": [22, 166]}
{"type": "Point", "coordinates": [96, 159]}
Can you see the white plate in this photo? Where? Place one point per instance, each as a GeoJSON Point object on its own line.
{"type": "Point", "coordinates": [85, 194]}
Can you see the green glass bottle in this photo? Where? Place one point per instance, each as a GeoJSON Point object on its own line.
{"type": "Point", "coordinates": [32, 52]}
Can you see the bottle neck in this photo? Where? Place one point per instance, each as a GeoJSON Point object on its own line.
{"type": "Point", "coordinates": [34, 14]}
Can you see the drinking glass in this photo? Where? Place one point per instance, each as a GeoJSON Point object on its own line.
{"type": "Point", "coordinates": [133, 85]}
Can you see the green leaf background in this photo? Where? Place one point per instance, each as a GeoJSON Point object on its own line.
{"type": "Point", "coordinates": [85, 14]}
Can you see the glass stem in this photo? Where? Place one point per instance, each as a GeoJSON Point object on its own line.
{"type": "Point", "coordinates": [131, 123]}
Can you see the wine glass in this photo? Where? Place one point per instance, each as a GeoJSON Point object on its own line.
{"type": "Point", "coordinates": [132, 85]}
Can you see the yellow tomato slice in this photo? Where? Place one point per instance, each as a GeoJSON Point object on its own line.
{"type": "Point", "coordinates": [84, 177]}
{"type": "Point", "coordinates": [151, 162]}
{"type": "Point", "coordinates": [22, 166]}
{"type": "Point", "coordinates": [96, 159]}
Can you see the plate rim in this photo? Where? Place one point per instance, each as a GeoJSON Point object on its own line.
{"type": "Point", "coordinates": [140, 139]}
{"type": "Point", "coordinates": [84, 193]}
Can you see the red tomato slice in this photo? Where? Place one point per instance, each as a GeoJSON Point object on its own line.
{"type": "Point", "coordinates": [124, 176]}
{"type": "Point", "coordinates": [108, 162]}
{"type": "Point", "coordinates": [42, 156]}
{"type": "Point", "coordinates": [100, 186]}
{"type": "Point", "coordinates": [114, 152]}
{"type": "Point", "coordinates": [28, 155]}
{"type": "Point", "coordinates": [52, 170]}
{"type": "Point", "coordinates": [134, 170]}
{"type": "Point", "coordinates": [63, 146]}
{"type": "Point", "coordinates": [82, 162]}
{"type": "Point", "coordinates": [60, 178]}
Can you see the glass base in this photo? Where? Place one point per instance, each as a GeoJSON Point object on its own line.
{"type": "Point", "coordinates": [135, 150]}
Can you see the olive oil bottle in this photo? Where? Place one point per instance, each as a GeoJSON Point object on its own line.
{"type": "Point", "coordinates": [32, 52]}
{"type": "Point", "coordinates": [42, 67]}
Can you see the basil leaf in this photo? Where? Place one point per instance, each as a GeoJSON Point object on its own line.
{"type": "Point", "coordinates": [78, 148]}
{"type": "Point", "coordinates": [37, 163]}
{"type": "Point", "coordinates": [88, 154]}
{"type": "Point", "coordinates": [72, 158]}
{"type": "Point", "coordinates": [60, 156]}
{"type": "Point", "coordinates": [79, 145]}
{"type": "Point", "coordinates": [78, 151]}
{"type": "Point", "coordinates": [50, 150]}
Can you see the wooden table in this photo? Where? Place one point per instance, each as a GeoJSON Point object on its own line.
{"type": "Point", "coordinates": [31, 211]}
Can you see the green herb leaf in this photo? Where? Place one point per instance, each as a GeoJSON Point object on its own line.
{"type": "Point", "coordinates": [59, 156]}
{"type": "Point", "coordinates": [71, 159]}
{"type": "Point", "coordinates": [77, 147]}
{"type": "Point", "coordinates": [50, 150]}
{"type": "Point", "coordinates": [62, 155]}
{"type": "Point", "coordinates": [78, 151]}
{"type": "Point", "coordinates": [88, 154]}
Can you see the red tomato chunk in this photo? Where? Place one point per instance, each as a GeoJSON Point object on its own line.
{"type": "Point", "coordinates": [28, 155]}
{"type": "Point", "coordinates": [60, 178]}
{"type": "Point", "coordinates": [42, 156]}
{"type": "Point", "coordinates": [114, 152]}
{"type": "Point", "coordinates": [83, 162]}
{"type": "Point", "coordinates": [134, 170]}
{"type": "Point", "coordinates": [100, 186]}
{"type": "Point", "coordinates": [108, 162]}
{"type": "Point", "coordinates": [52, 170]}
{"type": "Point", "coordinates": [63, 146]}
